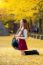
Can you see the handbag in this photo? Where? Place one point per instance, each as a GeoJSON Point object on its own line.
{"type": "Point", "coordinates": [15, 43]}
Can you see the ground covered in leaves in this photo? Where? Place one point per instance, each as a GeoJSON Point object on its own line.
{"type": "Point", "coordinates": [10, 56]}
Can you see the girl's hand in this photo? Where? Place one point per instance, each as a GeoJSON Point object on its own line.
{"type": "Point", "coordinates": [16, 38]}
{"type": "Point", "coordinates": [16, 35]}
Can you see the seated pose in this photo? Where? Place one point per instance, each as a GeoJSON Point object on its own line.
{"type": "Point", "coordinates": [19, 41]}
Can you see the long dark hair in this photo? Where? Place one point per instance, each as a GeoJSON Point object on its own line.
{"type": "Point", "coordinates": [25, 25]}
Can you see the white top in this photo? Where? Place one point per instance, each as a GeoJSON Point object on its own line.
{"type": "Point", "coordinates": [23, 32]}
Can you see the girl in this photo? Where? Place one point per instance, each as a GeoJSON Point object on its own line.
{"type": "Point", "coordinates": [21, 35]}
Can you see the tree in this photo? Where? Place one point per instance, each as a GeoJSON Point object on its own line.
{"type": "Point", "coordinates": [39, 15]}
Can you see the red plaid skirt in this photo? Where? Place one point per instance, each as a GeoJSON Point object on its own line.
{"type": "Point", "coordinates": [22, 44]}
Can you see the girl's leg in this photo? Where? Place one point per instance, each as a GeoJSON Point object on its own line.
{"type": "Point", "coordinates": [22, 52]}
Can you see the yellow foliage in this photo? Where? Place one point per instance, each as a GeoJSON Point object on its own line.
{"type": "Point", "coordinates": [20, 8]}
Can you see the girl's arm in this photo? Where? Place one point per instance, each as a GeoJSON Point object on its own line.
{"type": "Point", "coordinates": [23, 36]}
{"type": "Point", "coordinates": [19, 33]}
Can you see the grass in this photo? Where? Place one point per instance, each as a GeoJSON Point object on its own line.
{"type": "Point", "coordinates": [10, 56]}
